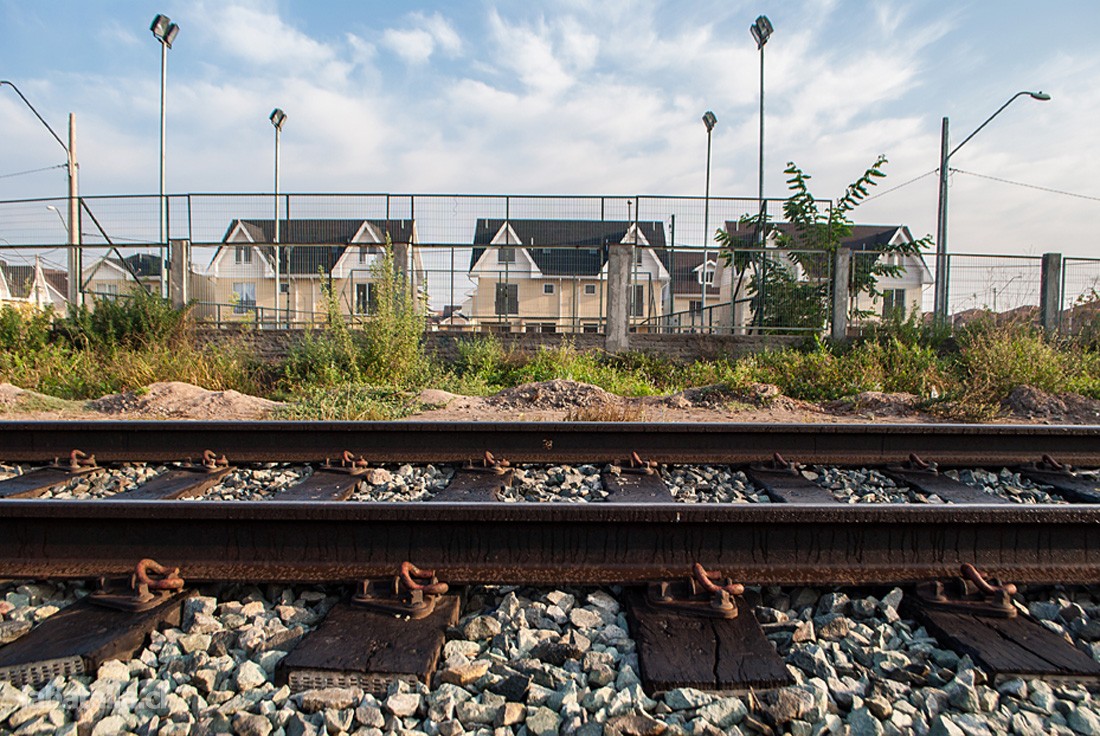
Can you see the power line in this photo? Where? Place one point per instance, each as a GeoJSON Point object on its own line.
{"type": "Point", "coordinates": [33, 171]}
{"type": "Point", "coordinates": [899, 186]}
{"type": "Point", "coordinates": [1027, 186]}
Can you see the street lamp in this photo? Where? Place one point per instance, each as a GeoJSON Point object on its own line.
{"type": "Point", "coordinates": [710, 121]}
{"type": "Point", "coordinates": [761, 31]}
{"type": "Point", "coordinates": [165, 31]}
{"type": "Point", "coordinates": [277, 118]}
{"type": "Point", "coordinates": [941, 214]}
{"type": "Point", "coordinates": [74, 294]}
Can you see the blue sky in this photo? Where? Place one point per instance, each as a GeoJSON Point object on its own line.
{"type": "Point", "coordinates": [572, 97]}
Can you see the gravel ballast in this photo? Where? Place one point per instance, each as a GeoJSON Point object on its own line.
{"type": "Point", "coordinates": [537, 661]}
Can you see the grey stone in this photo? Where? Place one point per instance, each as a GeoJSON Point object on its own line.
{"type": "Point", "coordinates": [634, 724]}
{"type": "Point", "coordinates": [370, 715]}
{"type": "Point", "coordinates": [12, 630]}
{"type": "Point", "coordinates": [863, 723]}
{"type": "Point", "coordinates": [832, 627]}
{"type": "Point", "coordinates": [1026, 723]}
{"type": "Point", "coordinates": [723, 712]}
{"type": "Point", "coordinates": [248, 724]}
{"type": "Point", "coordinates": [685, 698]}
{"type": "Point", "coordinates": [403, 704]}
{"type": "Point", "coordinates": [481, 628]}
{"type": "Point", "coordinates": [944, 726]}
{"type": "Point", "coordinates": [1083, 721]}
{"type": "Point", "coordinates": [543, 722]}
{"type": "Point", "coordinates": [337, 720]}
{"type": "Point", "coordinates": [313, 701]}
{"type": "Point", "coordinates": [812, 660]}
{"type": "Point", "coordinates": [832, 603]}
{"type": "Point", "coordinates": [110, 726]}
{"type": "Point", "coordinates": [250, 675]}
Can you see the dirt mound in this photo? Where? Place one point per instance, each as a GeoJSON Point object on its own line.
{"type": "Point", "coordinates": [555, 394]}
{"type": "Point", "coordinates": [1031, 403]}
{"type": "Point", "coordinates": [876, 404]}
{"type": "Point", "coordinates": [721, 395]}
{"type": "Point", "coordinates": [10, 394]}
{"type": "Point", "coordinates": [176, 400]}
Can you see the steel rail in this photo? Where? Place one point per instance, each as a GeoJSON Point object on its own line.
{"type": "Point", "coordinates": [553, 442]}
{"type": "Point", "coordinates": [549, 543]}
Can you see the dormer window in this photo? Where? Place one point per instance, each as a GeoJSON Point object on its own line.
{"type": "Point", "coordinates": [706, 273]}
{"type": "Point", "coordinates": [506, 255]}
{"type": "Point", "coordinates": [639, 254]}
{"type": "Point", "coordinates": [242, 254]}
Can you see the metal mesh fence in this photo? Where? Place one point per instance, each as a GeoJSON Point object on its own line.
{"type": "Point", "coordinates": [997, 284]}
{"type": "Point", "coordinates": [548, 275]}
{"type": "Point", "coordinates": [1081, 296]}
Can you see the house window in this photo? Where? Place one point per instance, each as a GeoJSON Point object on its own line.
{"type": "Point", "coordinates": [507, 299]}
{"type": "Point", "coordinates": [590, 328]}
{"type": "Point", "coordinates": [108, 291]}
{"type": "Point", "coordinates": [244, 294]}
{"type": "Point", "coordinates": [695, 306]}
{"type": "Point", "coordinates": [706, 274]}
{"type": "Point", "coordinates": [506, 255]}
{"type": "Point", "coordinates": [590, 290]}
{"type": "Point", "coordinates": [362, 254]}
{"type": "Point", "coordinates": [242, 254]}
{"type": "Point", "coordinates": [366, 300]}
{"type": "Point", "coordinates": [638, 255]}
{"type": "Point", "coordinates": [893, 303]}
{"type": "Point", "coordinates": [547, 288]}
{"type": "Point", "coordinates": [637, 301]}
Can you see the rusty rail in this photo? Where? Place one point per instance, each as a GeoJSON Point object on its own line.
{"type": "Point", "coordinates": [112, 441]}
{"type": "Point", "coordinates": [549, 543]}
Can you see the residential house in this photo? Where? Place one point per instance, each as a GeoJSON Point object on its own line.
{"type": "Point", "coordinates": [690, 277]}
{"type": "Point", "coordinates": [899, 295]}
{"type": "Point", "coordinates": [551, 275]}
{"type": "Point", "coordinates": [239, 283]}
{"type": "Point", "coordinates": [35, 285]}
{"type": "Point", "coordinates": [110, 277]}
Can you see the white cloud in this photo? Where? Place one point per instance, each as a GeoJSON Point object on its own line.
{"type": "Point", "coordinates": [416, 44]}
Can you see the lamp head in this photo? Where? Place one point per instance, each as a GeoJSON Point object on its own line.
{"type": "Point", "coordinates": [277, 118]}
{"type": "Point", "coordinates": [761, 31]}
{"type": "Point", "coordinates": [164, 30]}
{"type": "Point", "coordinates": [709, 120]}
{"type": "Point", "coordinates": [1041, 96]}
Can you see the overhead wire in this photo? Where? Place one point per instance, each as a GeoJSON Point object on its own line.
{"type": "Point", "coordinates": [1027, 186]}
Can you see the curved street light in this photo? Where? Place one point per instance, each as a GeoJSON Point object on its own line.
{"type": "Point", "coordinates": [277, 118]}
{"type": "Point", "coordinates": [709, 120]}
{"type": "Point", "coordinates": [941, 213]}
{"type": "Point", "coordinates": [75, 295]}
{"type": "Point", "coordinates": [165, 31]}
{"type": "Point", "coordinates": [761, 31]}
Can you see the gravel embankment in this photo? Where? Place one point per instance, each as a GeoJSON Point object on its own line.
{"type": "Point", "coordinates": [551, 662]}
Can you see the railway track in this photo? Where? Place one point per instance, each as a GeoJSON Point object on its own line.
{"type": "Point", "coordinates": [634, 535]}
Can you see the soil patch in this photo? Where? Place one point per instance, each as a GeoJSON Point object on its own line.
{"type": "Point", "coordinates": [877, 404]}
{"type": "Point", "coordinates": [177, 400]}
{"type": "Point", "coordinates": [1028, 402]}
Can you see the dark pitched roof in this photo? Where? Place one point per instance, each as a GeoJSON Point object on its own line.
{"type": "Point", "coordinates": [863, 237]}
{"type": "Point", "coordinates": [319, 231]}
{"type": "Point", "coordinates": [336, 234]}
{"type": "Point", "coordinates": [144, 264]}
{"type": "Point", "coordinates": [685, 279]}
{"type": "Point", "coordinates": [568, 247]}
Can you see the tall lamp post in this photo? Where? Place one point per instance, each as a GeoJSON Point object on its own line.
{"type": "Point", "coordinates": [710, 121]}
{"type": "Point", "coordinates": [761, 31]}
{"type": "Point", "coordinates": [75, 295]}
{"type": "Point", "coordinates": [165, 31]}
{"type": "Point", "coordinates": [941, 214]}
{"type": "Point", "coordinates": [277, 118]}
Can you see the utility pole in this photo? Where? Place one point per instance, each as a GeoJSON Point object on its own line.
{"type": "Point", "coordinates": [76, 257]}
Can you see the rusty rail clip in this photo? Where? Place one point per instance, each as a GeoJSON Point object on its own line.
{"type": "Point", "coordinates": [970, 593]}
{"type": "Point", "coordinates": [489, 464]}
{"type": "Point", "coordinates": [150, 585]}
{"type": "Point", "coordinates": [698, 595]}
{"type": "Point", "coordinates": [412, 593]}
{"type": "Point", "coordinates": [211, 463]}
{"type": "Point", "coordinates": [348, 464]}
{"type": "Point", "coordinates": [79, 462]}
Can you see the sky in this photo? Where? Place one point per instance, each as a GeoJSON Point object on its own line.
{"type": "Point", "coordinates": [573, 97]}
